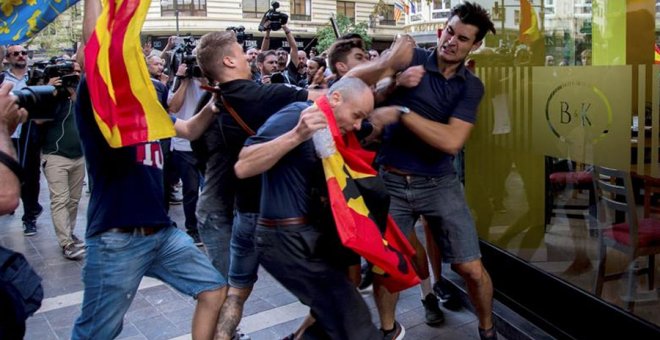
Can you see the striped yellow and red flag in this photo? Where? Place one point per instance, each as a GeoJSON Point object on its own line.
{"type": "Point", "coordinates": [360, 206]}
{"type": "Point", "coordinates": [529, 26]}
{"type": "Point", "coordinates": [123, 96]}
{"type": "Point", "coordinates": [656, 58]}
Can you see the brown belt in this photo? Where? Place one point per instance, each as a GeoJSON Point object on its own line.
{"type": "Point", "coordinates": [143, 231]}
{"type": "Point", "coordinates": [282, 222]}
{"type": "Point", "coordinates": [395, 171]}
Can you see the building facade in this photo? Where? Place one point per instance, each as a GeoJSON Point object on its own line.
{"type": "Point", "coordinates": [306, 17]}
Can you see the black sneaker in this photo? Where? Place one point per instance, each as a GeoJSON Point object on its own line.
{"type": "Point", "coordinates": [434, 316]}
{"type": "Point", "coordinates": [78, 242]}
{"type": "Point", "coordinates": [29, 228]}
{"type": "Point", "coordinates": [449, 300]}
{"type": "Point", "coordinates": [73, 252]}
{"type": "Point", "coordinates": [195, 237]}
{"type": "Point", "coordinates": [176, 198]}
{"type": "Point", "coordinates": [367, 278]}
{"type": "Point", "coordinates": [396, 333]}
{"type": "Point", "coordinates": [443, 294]}
{"type": "Point", "coordinates": [487, 334]}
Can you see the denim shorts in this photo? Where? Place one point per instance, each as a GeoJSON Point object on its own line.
{"type": "Point", "coordinates": [244, 261]}
{"type": "Point", "coordinates": [215, 231]}
{"type": "Point", "coordinates": [115, 264]}
{"type": "Point", "coordinates": [441, 201]}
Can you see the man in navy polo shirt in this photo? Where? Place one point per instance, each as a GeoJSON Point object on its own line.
{"type": "Point", "coordinates": [432, 122]}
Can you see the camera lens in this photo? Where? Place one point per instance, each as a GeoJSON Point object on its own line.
{"type": "Point", "coordinates": [35, 99]}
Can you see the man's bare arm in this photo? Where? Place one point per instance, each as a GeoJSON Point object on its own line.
{"type": "Point", "coordinates": [293, 48]}
{"type": "Point", "coordinates": [258, 158]}
{"type": "Point", "coordinates": [448, 138]}
{"type": "Point", "coordinates": [192, 128]}
{"type": "Point", "coordinates": [388, 64]}
{"type": "Point", "coordinates": [91, 13]}
{"type": "Point", "coordinates": [265, 43]}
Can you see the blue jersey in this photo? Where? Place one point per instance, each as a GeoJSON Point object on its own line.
{"type": "Point", "coordinates": [127, 182]}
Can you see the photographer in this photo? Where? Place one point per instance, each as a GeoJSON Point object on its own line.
{"type": "Point", "coordinates": [62, 160]}
{"type": "Point", "coordinates": [267, 64]}
{"type": "Point", "coordinates": [27, 142]}
{"type": "Point", "coordinates": [10, 117]}
{"type": "Point", "coordinates": [288, 67]}
{"type": "Point", "coordinates": [182, 104]}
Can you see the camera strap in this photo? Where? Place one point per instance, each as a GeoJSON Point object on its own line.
{"type": "Point", "coordinates": [236, 117]}
{"type": "Point", "coordinates": [12, 164]}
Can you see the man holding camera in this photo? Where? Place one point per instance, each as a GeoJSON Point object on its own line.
{"type": "Point", "coordinates": [182, 103]}
{"type": "Point", "coordinates": [287, 69]}
{"type": "Point", "coordinates": [267, 63]}
{"type": "Point", "coordinates": [26, 141]}
{"type": "Point", "coordinates": [63, 164]}
{"type": "Point", "coordinates": [10, 171]}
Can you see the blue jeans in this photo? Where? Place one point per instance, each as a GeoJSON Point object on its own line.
{"type": "Point", "coordinates": [244, 261]}
{"type": "Point", "coordinates": [215, 232]}
{"type": "Point", "coordinates": [442, 203]}
{"type": "Point", "coordinates": [115, 264]}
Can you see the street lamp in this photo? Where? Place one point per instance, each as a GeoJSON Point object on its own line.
{"type": "Point", "coordinates": [166, 3]}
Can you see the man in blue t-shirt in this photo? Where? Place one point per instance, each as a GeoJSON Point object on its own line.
{"type": "Point", "coordinates": [432, 121]}
{"type": "Point", "coordinates": [296, 239]}
{"type": "Point", "coordinates": [129, 234]}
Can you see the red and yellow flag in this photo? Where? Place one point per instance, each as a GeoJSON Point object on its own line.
{"type": "Point", "coordinates": [360, 207]}
{"type": "Point", "coordinates": [123, 97]}
{"type": "Point", "coordinates": [529, 26]}
{"type": "Point", "coordinates": [656, 59]}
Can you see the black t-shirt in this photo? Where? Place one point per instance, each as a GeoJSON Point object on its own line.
{"type": "Point", "coordinates": [254, 103]}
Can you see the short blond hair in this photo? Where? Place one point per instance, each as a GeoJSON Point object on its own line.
{"type": "Point", "coordinates": [212, 47]}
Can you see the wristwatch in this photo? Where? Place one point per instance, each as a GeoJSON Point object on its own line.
{"type": "Point", "coordinates": [403, 110]}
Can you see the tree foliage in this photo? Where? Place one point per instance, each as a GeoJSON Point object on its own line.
{"type": "Point", "coordinates": [326, 36]}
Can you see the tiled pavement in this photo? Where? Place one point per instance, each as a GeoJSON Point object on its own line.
{"type": "Point", "coordinates": [160, 312]}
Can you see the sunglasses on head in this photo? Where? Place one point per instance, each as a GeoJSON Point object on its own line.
{"type": "Point", "coordinates": [17, 53]}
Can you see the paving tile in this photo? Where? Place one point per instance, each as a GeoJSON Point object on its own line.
{"type": "Point", "coordinates": [158, 328]}
{"type": "Point", "coordinates": [142, 313]}
{"type": "Point", "coordinates": [62, 317]}
{"type": "Point", "coordinates": [129, 330]}
{"type": "Point", "coordinates": [63, 332]}
{"type": "Point", "coordinates": [37, 327]}
{"type": "Point", "coordinates": [256, 305]}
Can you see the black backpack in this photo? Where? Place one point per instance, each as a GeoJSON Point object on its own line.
{"type": "Point", "coordinates": [20, 293]}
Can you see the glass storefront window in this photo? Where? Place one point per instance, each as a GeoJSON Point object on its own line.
{"type": "Point", "coordinates": [578, 90]}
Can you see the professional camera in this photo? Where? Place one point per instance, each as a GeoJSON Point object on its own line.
{"type": "Point", "coordinates": [38, 100]}
{"type": "Point", "coordinates": [42, 72]}
{"type": "Point", "coordinates": [274, 18]}
{"type": "Point", "coordinates": [185, 51]}
{"type": "Point", "coordinates": [241, 36]}
{"type": "Point", "coordinates": [278, 78]}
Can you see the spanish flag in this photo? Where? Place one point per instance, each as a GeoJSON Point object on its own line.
{"type": "Point", "coordinates": [124, 99]}
{"type": "Point", "coordinates": [360, 207]}
{"type": "Point", "coordinates": [529, 26]}
{"type": "Point", "coordinates": [656, 59]}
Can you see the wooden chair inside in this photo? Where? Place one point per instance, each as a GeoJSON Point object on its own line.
{"type": "Point", "coordinates": [634, 237]}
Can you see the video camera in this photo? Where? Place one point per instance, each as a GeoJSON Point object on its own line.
{"type": "Point", "coordinates": [39, 99]}
{"type": "Point", "coordinates": [185, 50]}
{"type": "Point", "coordinates": [42, 72]}
{"type": "Point", "coordinates": [241, 36]}
{"type": "Point", "coordinates": [276, 19]}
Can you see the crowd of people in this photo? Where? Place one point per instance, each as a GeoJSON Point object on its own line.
{"type": "Point", "coordinates": [254, 192]}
